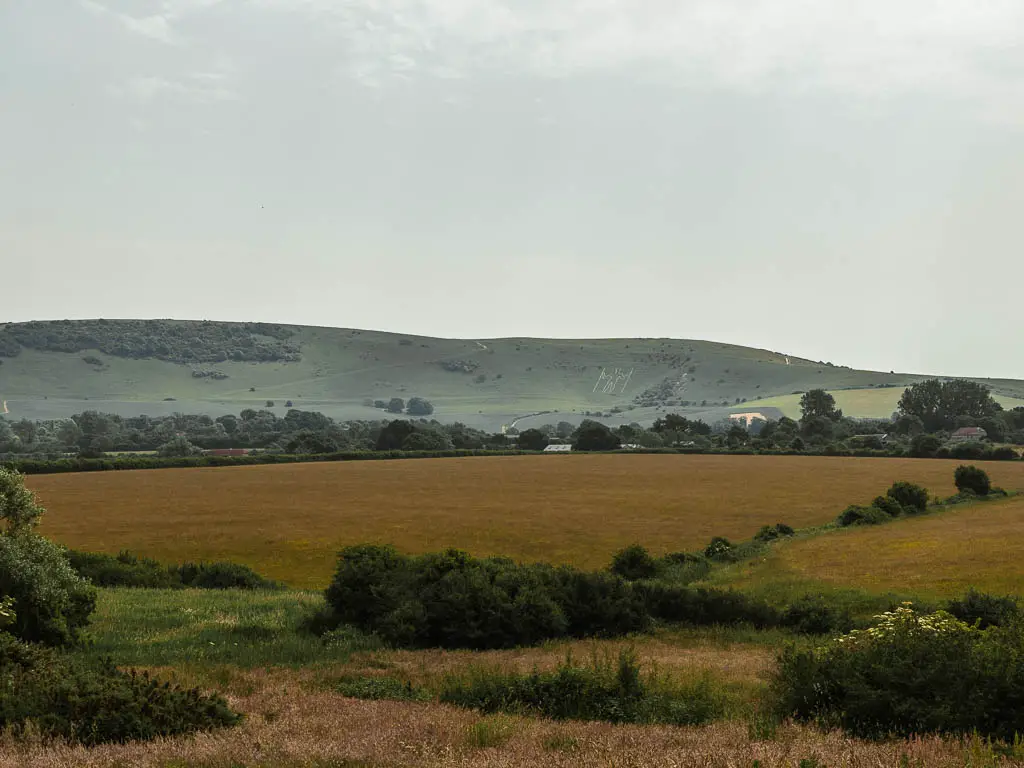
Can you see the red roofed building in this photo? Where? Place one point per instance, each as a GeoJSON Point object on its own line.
{"type": "Point", "coordinates": [968, 434]}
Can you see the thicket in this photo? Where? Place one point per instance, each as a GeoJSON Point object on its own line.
{"type": "Point", "coordinates": [129, 570]}
{"type": "Point", "coordinates": [909, 674]}
{"type": "Point", "coordinates": [177, 342]}
{"type": "Point", "coordinates": [972, 479]}
{"type": "Point", "coordinates": [57, 695]}
{"type": "Point", "coordinates": [602, 690]}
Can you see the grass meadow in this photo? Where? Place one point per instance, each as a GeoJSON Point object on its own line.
{"type": "Point", "coordinates": [289, 521]}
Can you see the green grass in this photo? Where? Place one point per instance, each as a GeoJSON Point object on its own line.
{"type": "Point", "coordinates": [340, 368]}
{"type": "Point", "coordinates": [157, 627]}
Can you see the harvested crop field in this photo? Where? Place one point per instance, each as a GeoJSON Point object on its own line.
{"type": "Point", "coordinates": [288, 521]}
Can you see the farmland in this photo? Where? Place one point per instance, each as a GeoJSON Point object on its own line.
{"type": "Point", "coordinates": [288, 521]}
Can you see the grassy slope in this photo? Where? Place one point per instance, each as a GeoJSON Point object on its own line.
{"type": "Point", "coordinates": [861, 403]}
{"type": "Point", "coordinates": [341, 367]}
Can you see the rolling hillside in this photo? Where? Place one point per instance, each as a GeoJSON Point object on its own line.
{"type": "Point", "coordinates": [55, 369]}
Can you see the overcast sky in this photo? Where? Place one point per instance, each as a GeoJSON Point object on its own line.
{"type": "Point", "coordinates": [840, 181]}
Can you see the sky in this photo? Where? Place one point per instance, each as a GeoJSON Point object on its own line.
{"type": "Point", "coordinates": [837, 181]}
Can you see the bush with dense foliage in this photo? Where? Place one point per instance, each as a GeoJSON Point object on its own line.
{"type": "Point", "coordinates": [773, 532]}
{"type": "Point", "coordinates": [816, 615]}
{"type": "Point", "coordinates": [908, 674]}
{"type": "Point", "coordinates": [973, 479]}
{"type": "Point", "coordinates": [615, 693]}
{"type": "Point", "coordinates": [66, 696]}
{"type": "Point", "coordinates": [910, 497]}
{"type": "Point", "coordinates": [51, 602]}
{"type": "Point", "coordinates": [633, 563]}
{"type": "Point", "coordinates": [985, 610]}
{"type": "Point", "coordinates": [856, 514]}
{"type": "Point", "coordinates": [129, 570]}
{"type": "Point", "coordinates": [705, 606]}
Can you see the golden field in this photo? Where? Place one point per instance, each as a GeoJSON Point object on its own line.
{"type": "Point", "coordinates": [288, 521]}
{"type": "Point", "coordinates": [938, 555]}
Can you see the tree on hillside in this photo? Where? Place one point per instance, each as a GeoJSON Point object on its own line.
{"type": "Point", "coordinates": [564, 429]}
{"type": "Point", "coordinates": [818, 402]}
{"type": "Point", "coordinates": [938, 403]}
{"type": "Point", "coordinates": [417, 406]}
{"type": "Point", "coordinates": [396, 405]}
{"type": "Point", "coordinates": [393, 435]}
{"type": "Point", "coordinates": [178, 447]}
{"type": "Point", "coordinates": [594, 436]}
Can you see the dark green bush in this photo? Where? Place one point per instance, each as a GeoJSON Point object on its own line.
{"type": "Point", "coordinates": [889, 505]}
{"type": "Point", "coordinates": [601, 691]}
{"type": "Point", "coordinates": [377, 688]}
{"type": "Point", "coordinates": [971, 478]}
{"type": "Point", "coordinates": [815, 615]}
{"type": "Point", "coordinates": [222, 575]}
{"type": "Point", "coordinates": [129, 570]}
{"type": "Point", "coordinates": [684, 567]}
{"type": "Point", "coordinates": [909, 496]}
{"type": "Point", "coordinates": [718, 548]}
{"type": "Point", "coordinates": [772, 532]}
{"type": "Point", "coordinates": [634, 562]}
{"type": "Point", "coordinates": [69, 697]}
{"type": "Point", "coordinates": [1002, 453]}
{"type": "Point", "coordinates": [969, 450]}
{"type": "Point", "coordinates": [987, 610]}
{"type": "Point", "coordinates": [450, 599]}
{"type": "Point", "coordinates": [704, 606]}
{"type": "Point", "coordinates": [911, 674]}
{"type": "Point", "coordinates": [855, 514]}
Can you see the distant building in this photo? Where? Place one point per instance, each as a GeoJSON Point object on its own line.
{"type": "Point", "coordinates": [227, 452]}
{"type": "Point", "coordinates": [558, 448]}
{"type": "Point", "coordinates": [881, 439]}
{"type": "Point", "coordinates": [968, 434]}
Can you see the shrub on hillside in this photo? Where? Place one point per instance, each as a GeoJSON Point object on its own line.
{"type": "Point", "coordinates": [704, 606]}
{"type": "Point", "coordinates": [68, 697]}
{"type": "Point", "coordinates": [910, 674]}
{"type": "Point", "coordinates": [911, 497]}
{"type": "Point", "coordinates": [973, 479]}
{"type": "Point", "coordinates": [719, 548]}
{"type": "Point", "coordinates": [986, 610]}
{"type": "Point", "coordinates": [1002, 453]}
{"type": "Point", "coordinates": [222, 575]}
{"type": "Point", "coordinates": [970, 450]}
{"type": "Point", "coordinates": [772, 532]}
{"type": "Point", "coordinates": [856, 514]}
{"type": "Point", "coordinates": [633, 563]}
{"type": "Point", "coordinates": [889, 505]}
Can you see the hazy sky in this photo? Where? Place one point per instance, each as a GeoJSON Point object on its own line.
{"type": "Point", "coordinates": [840, 181]}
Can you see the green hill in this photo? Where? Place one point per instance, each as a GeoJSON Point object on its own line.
{"type": "Point", "coordinates": [54, 369]}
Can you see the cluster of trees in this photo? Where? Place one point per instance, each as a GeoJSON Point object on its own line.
{"type": "Point", "coordinates": [417, 406]}
{"type": "Point", "coordinates": [174, 341]}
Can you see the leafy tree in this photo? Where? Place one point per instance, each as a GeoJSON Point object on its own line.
{"type": "Point", "coordinates": [594, 436]}
{"type": "Point", "coordinates": [396, 405]}
{"type": "Point", "coordinates": [564, 429]}
{"type": "Point", "coordinates": [393, 435]}
{"type": "Point", "coordinates": [310, 442]}
{"type": "Point", "coordinates": [974, 479]}
{"type": "Point", "coordinates": [426, 440]}
{"type": "Point", "coordinates": [51, 603]}
{"type": "Point", "coordinates": [819, 403]}
{"type": "Point", "coordinates": [533, 440]}
{"type": "Point", "coordinates": [817, 428]}
{"type": "Point", "coordinates": [417, 406]}
{"type": "Point", "coordinates": [938, 404]}
{"type": "Point", "coordinates": [179, 446]}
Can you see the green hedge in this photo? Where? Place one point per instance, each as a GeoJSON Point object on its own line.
{"type": "Point", "coordinates": [129, 570]}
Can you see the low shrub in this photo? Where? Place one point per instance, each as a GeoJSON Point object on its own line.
{"type": "Point", "coordinates": [909, 496]}
{"type": "Point", "coordinates": [855, 514]}
{"type": "Point", "coordinates": [773, 532]}
{"type": "Point", "coordinates": [634, 562]}
{"type": "Point", "coordinates": [985, 610]}
{"type": "Point", "coordinates": [971, 478]}
{"type": "Point", "coordinates": [909, 674]}
{"type": "Point", "coordinates": [69, 697]}
{"type": "Point", "coordinates": [129, 570]}
{"type": "Point", "coordinates": [612, 692]}
{"type": "Point", "coordinates": [889, 505]}
{"type": "Point", "coordinates": [705, 606]}
{"type": "Point", "coordinates": [815, 615]}
{"type": "Point", "coordinates": [1002, 453]}
{"type": "Point", "coordinates": [684, 567]}
{"type": "Point", "coordinates": [377, 688]}
{"type": "Point", "coordinates": [969, 450]}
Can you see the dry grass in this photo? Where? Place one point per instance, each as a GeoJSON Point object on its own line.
{"type": "Point", "coordinates": [288, 521]}
{"type": "Point", "coordinates": [937, 555]}
{"type": "Point", "coordinates": [290, 726]}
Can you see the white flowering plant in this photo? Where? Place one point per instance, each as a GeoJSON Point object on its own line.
{"type": "Point", "coordinates": [909, 673]}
